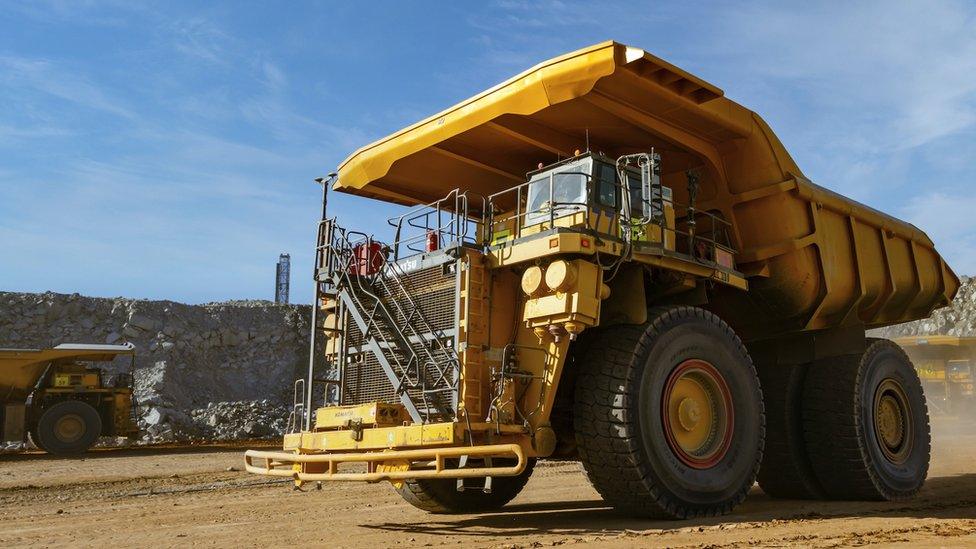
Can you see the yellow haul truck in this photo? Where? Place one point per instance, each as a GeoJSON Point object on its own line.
{"type": "Point", "coordinates": [60, 401]}
{"type": "Point", "coordinates": [600, 255]}
{"type": "Point", "coordinates": [946, 367]}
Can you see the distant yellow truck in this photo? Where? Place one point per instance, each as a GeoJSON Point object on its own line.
{"type": "Point", "coordinates": [60, 401]}
{"type": "Point", "coordinates": [945, 366]}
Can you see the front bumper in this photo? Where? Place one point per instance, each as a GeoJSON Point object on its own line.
{"type": "Point", "coordinates": [391, 465]}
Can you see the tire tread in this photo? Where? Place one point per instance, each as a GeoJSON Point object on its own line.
{"type": "Point", "coordinates": [609, 443]}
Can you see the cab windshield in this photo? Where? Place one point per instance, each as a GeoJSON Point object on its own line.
{"type": "Point", "coordinates": [568, 192]}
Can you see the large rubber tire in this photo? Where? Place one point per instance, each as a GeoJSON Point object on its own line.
{"type": "Point", "coordinates": [620, 422]}
{"type": "Point", "coordinates": [842, 437]}
{"type": "Point", "coordinates": [68, 428]}
{"type": "Point", "coordinates": [786, 471]}
{"type": "Point", "coordinates": [441, 496]}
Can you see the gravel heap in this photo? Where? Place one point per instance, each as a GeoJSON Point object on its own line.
{"type": "Point", "coordinates": [217, 371]}
{"type": "Point", "coordinates": [218, 421]}
{"type": "Point", "coordinates": [958, 319]}
{"type": "Point", "coordinates": [12, 447]}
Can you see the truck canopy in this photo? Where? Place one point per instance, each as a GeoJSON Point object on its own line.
{"type": "Point", "coordinates": [622, 98]}
{"type": "Point", "coordinates": [816, 259]}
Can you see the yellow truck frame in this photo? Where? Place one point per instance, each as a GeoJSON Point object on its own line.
{"type": "Point", "coordinates": [945, 365]}
{"type": "Point", "coordinates": [60, 402]}
{"type": "Point", "coordinates": [662, 297]}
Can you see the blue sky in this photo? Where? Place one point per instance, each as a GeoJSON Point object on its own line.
{"type": "Point", "coordinates": [167, 149]}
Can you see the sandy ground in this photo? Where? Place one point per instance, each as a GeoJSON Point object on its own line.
{"type": "Point", "coordinates": [188, 497]}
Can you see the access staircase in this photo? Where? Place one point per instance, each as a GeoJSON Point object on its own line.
{"type": "Point", "coordinates": [417, 359]}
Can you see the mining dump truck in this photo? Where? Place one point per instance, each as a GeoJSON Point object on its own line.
{"type": "Point", "coordinates": [946, 366]}
{"type": "Point", "coordinates": [60, 401]}
{"type": "Point", "coordinates": [604, 259]}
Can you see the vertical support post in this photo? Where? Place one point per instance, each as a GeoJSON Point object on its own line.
{"type": "Point", "coordinates": [316, 303]}
{"type": "Point", "coordinates": [341, 356]}
{"type": "Point", "coordinates": [311, 358]}
{"type": "Point", "coordinates": [692, 176]}
{"type": "Point", "coordinates": [518, 213]}
{"type": "Point", "coordinates": [552, 203]}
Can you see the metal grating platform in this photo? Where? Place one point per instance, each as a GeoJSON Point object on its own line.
{"type": "Point", "coordinates": [434, 290]}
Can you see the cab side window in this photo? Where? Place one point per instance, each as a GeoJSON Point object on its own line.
{"type": "Point", "coordinates": [606, 185]}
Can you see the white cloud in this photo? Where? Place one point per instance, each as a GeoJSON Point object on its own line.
{"type": "Point", "coordinates": [10, 133]}
{"type": "Point", "coordinates": [199, 38]}
{"type": "Point", "coordinates": [274, 77]}
{"type": "Point", "coordinates": [904, 73]}
{"type": "Point", "coordinates": [60, 81]}
{"type": "Point", "coordinates": [948, 220]}
{"type": "Point", "coordinates": [100, 13]}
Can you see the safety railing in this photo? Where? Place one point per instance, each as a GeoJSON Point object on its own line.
{"type": "Point", "coordinates": [452, 220]}
{"type": "Point", "coordinates": [697, 234]}
{"type": "Point", "coordinates": [506, 215]}
{"type": "Point", "coordinates": [509, 213]}
{"type": "Point", "coordinates": [297, 413]}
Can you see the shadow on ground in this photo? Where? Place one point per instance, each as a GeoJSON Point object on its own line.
{"type": "Point", "coordinates": [944, 497]}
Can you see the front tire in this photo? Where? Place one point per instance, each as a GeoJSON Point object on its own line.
{"type": "Point", "coordinates": [441, 496]}
{"type": "Point", "coordinates": [669, 415]}
{"type": "Point", "coordinates": [68, 428]}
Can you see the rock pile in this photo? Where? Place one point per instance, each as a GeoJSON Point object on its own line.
{"type": "Point", "coordinates": [12, 447]}
{"type": "Point", "coordinates": [958, 319]}
{"type": "Point", "coordinates": [218, 421]}
{"type": "Point", "coordinates": [214, 371]}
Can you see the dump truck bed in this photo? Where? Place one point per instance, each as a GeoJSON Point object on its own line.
{"type": "Point", "coordinates": [21, 368]}
{"type": "Point", "coordinates": [815, 259]}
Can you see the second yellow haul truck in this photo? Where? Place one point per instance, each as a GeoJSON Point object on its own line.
{"type": "Point", "coordinates": [945, 366]}
{"type": "Point", "coordinates": [607, 260]}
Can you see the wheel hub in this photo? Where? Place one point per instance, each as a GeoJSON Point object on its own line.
{"type": "Point", "coordinates": [689, 413]}
{"type": "Point", "coordinates": [892, 423]}
{"type": "Point", "coordinates": [697, 414]}
{"type": "Point", "coordinates": [69, 428]}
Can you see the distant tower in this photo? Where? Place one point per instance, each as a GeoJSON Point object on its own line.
{"type": "Point", "coordinates": [282, 276]}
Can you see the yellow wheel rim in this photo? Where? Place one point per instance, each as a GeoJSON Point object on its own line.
{"type": "Point", "coordinates": [697, 414]}
{"type": "Point", "coordinates": [892, 421]}
{"type": "Point", "coordinates": [69, 428]}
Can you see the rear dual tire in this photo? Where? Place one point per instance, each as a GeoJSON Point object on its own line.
{"type": "Point", "coordinates": [786, 471]}
{"type": "Point", "coordinates": [846, 428]}
{"type": "Point", "coordinates": [866, 425]}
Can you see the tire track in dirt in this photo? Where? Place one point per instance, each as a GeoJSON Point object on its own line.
{"type": "Point", "coordinates": [179, 499]}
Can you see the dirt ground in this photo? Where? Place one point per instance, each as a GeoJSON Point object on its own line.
{"type": "Point", "coordinates": [190, 497]}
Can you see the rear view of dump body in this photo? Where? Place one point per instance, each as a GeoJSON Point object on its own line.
{"type": "Point", "coordinates": [815, 259]}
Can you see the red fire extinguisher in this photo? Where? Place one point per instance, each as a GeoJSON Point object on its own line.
{"type": "Point", "coordinates": [433, 241]}
{"type": "Point", "coordinates": [368, 258]}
